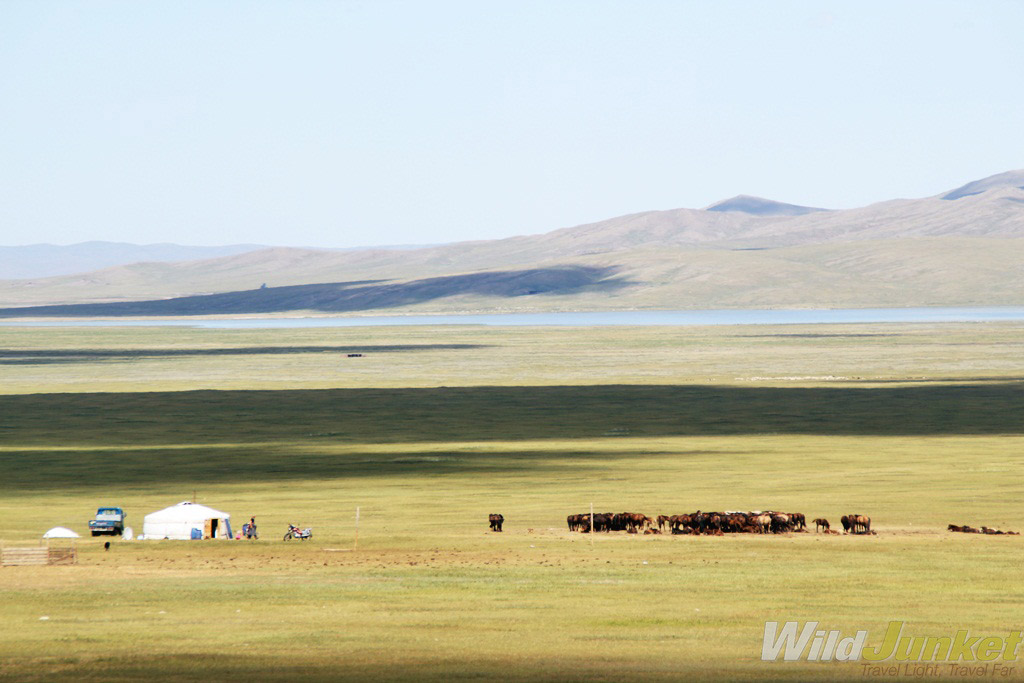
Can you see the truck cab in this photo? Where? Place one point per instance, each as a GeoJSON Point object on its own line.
{"type": "Point", "coordinates": [108, 521]}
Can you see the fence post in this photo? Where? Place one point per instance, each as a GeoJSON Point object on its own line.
{"type": "Point", "coordinates": [354, 547]}
{"type": "Point", "coordinates": [591, 524]}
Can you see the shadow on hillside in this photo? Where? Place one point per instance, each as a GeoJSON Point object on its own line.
{"type": "Point", "coordinates": [399, 663]}
{"type": "Point", "coordinates": [205, 435]}
{"type": "Point", "coordinates": [49, 356]}
{"type": "Point", "coordinates": [268, 463]}
{"type": "Point", "coordinates": [937, 380]}
{"type": "Point", "coordinates": [506, 413]}
{"type": "Point", "coordinates": [342, 297]}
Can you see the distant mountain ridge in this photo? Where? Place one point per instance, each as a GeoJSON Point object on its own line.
{"type": "Point", "coordinates": [48, 260]}
{"type": "Point", "coordinates": [758, 206]}
{"type": "Point", "coordinates": [1011, 179]}
{"type": "Point", "coordinates": [960, 247]}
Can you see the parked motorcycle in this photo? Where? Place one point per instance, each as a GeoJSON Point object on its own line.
{"type": "Point", "coordinates": [296, 532]}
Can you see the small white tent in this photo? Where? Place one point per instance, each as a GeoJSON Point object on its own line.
{"type": "Point", "coordinates": [186, 520]}
{"type": "Point", "coordinates": [60, 532]}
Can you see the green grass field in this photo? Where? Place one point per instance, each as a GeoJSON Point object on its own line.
{"type": "Point", "coordinates": [431, 429]}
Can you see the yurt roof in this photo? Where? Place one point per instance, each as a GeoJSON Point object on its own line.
{"type": "Point", "coordinates": [186, 512]}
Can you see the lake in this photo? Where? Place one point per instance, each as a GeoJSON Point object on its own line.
{"type": "Point", "coordinates": [585, 319]}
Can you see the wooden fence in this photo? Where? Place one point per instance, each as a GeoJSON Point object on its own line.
{"type": "Point", "coordinates": [20, 557]}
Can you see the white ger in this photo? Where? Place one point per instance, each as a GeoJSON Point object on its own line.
{"type": "Point", "coordinates": [186, 521]}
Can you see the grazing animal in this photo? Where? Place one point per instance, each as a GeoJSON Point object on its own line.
{"type": "Point", "coordinates": [781, 523]}
{"type": "Point", "coordinates": [983, 530]}
{"type": "Point", "coordinates": [106, 546]}
{"type": "Point", "coordinates": [703, 521]}
{"type": "Point", "coordinates": [799, 522]}
{"type": "Point", "coordinates": [710, 523]}
{"type": "Point", "coordinates": [496, 521]}
{"type": "Point", "coordinates": [631, 521]}
{"type": "Point", "coordinates": [856, 524]}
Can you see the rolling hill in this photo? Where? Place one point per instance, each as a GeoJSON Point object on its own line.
{"type": "Point", "coordinates": [960, 247]}
{"type": "Point", "coordinates": [49, 260]}
{"type": "Point", "coordinates": [760, 207]}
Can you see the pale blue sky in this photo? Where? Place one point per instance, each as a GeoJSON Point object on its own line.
{"type": "Point", "coordinates": [352, 123]}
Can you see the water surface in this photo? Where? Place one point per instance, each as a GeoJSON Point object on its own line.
{"type": "Point", "coordinates": [583, 319]}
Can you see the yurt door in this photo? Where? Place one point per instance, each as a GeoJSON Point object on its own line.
{"type": "Point", "coordinates": [211, 526]}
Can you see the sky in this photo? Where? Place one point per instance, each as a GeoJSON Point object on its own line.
{"type": "Point", "coordinates": [341, 124]}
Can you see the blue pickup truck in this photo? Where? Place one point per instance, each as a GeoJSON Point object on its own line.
{"type": "Point", "coordinates": [108, 521]}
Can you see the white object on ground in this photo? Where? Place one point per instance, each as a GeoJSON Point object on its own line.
{"type": "Point", "coordinates": [60, 532]}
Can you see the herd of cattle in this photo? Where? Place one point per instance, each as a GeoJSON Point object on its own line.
{"type": "Point", "coordinates": [983, 530]}
{"type": "Point", "coordinates": [712, 523]}
{"type": "Point", "coordinates": [721, 523]}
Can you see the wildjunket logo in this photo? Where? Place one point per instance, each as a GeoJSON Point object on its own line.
{"type": "Point", "coordinates": [794, 643]}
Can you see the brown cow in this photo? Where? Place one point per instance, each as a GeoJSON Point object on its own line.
{"type": "Point", "coordinates": [636, 521]}
{"type": "Point", "coordinates": [781, 523]}
{"type": "Point", "coordinates": [579, 523]}
{"type": "Point", "coordinates": [861, 524]}
{"type": "Point", "coordinates": [677, 522]}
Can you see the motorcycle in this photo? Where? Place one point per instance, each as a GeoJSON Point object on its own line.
{"type": "Point", "coordinates": [296, 532]}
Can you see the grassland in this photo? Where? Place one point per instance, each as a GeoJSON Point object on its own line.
{"type": "Point", "coordinates": [431, 429]}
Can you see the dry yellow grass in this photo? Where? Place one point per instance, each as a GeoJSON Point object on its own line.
{"type": "Point", "coordinates": [923, 429]}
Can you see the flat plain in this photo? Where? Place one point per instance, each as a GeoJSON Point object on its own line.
{"type": "Point", "coordinates": [431, 429]}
